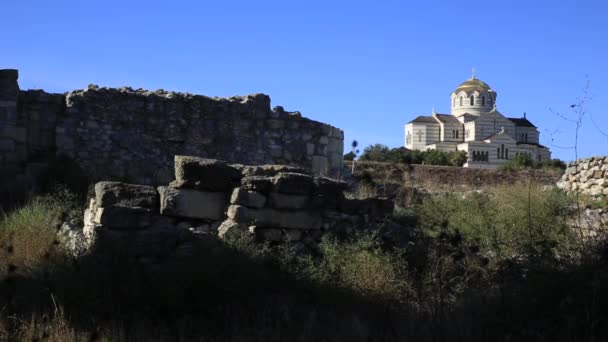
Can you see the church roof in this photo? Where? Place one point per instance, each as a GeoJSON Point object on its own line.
{"type": "Point", "coordinates": [530, 143]}
{"type": "Point", "coordinates": [473, 84]}
{"type": "Point", "coordinates": [447, 118]}
{"type": "Point", "coordinates": [521, 122]}
{"type": "Point", "coordinates": [424, 119]}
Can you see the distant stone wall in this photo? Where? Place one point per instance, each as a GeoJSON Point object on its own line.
{"type": "Point", "coordinates": [589, 176]}
{"type": "Point", "coordinates": [272, 202]}
{"type": "Point", "coordinates": [127, 134]}
{"type": "Point", "coordinates": [134, 134]}
{"type": "Point", "coordinates": [449, 176]}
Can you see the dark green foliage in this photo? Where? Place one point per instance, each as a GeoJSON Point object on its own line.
{"type": "Point", "coordinates": [524, 161]}
{"type": "Point", "coordinates": [383, 153]}
{"type": "Point", "coordinates": [349, 156]}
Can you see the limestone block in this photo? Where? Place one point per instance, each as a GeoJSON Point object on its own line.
{"type": "Point", "coordinates": [257, 183]}
{"type": "Point", "coordinates": [16, 133]}
{"type": "Point", "coordinates": [230, 225]}
{"type": "Point", "coordinates": [192, 203]}
{"type": "Point", "coordinates": [598, 174]}
{"type": "Point", "coordinates": [310, 149]}
{"type": "Point", "coordinates": [123, 218]}
{"type": "Point", "coordinates": [267, 217]}
{"type": "Point", "coordinates": [329, 187]}
{"type": "Point", "coordinates": [293, 183]}
{"type": "Point", "coordinates": [320, 165]}
{"type": "Point", "coordinates": [205, 174]}
{"type": "Point", "coordinates": [109, 194]}
{"type": "Point", "coordinates": [595, 190]}
{"type": "Point", "coordinates": [334, 145]}
{"type": "Point", "coordinates": [7, 145]}
{"type": "Point", "coordinates": [248, 198]}
{"type": "Point", "coordinates": [286, 201]}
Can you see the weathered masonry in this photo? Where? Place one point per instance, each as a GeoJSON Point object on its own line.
{"type": "Point", "coordinates": [132, 135]}
{"type": "Point", "coordinates": [275, 203]}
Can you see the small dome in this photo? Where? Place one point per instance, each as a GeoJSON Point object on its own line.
{"type": "Point", "coordinates": [473, 84]}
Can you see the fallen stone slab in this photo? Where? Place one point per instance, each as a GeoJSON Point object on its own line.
{"type": "Point", "coordinates": [257, 183]}
{"type": "Point", "coordinates": [268, 170]}
{"type": "Point", "coordinates": [123, 218]}
{"type": "Point", "coordinates": [108, 194]}
{"type": "Point", "coordinates": [287, 201]}
{"type": "Point", "coordinates": [329, 187]}
{"type": "Point", "coordinates": [205, 174]}
{"type": "Point", "coordinates": [192, 203]}
{"type": "Point", "coordinates": [248, 198]}
{"type": "Point", "coordinates": [273, 218]}
{"type": "Point", "coordinates": [293, 183]}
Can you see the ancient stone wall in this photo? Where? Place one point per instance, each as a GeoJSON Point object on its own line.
{"type": "Point", "coordinates": [134, 134]}
{"type": "Point", "coordinates": [274, 203]}
{"type": "Point", "coordinates": [126, 134]}
{"type": "Point", "coordinates": [588, 176]}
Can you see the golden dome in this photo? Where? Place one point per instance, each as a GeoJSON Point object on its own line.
{"type": "Point", "coordinates": [473, 84]}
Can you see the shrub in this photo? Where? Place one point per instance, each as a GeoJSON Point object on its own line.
{"type": "Point", "coordinates": [359, 266]}
{"type": "Point", "coordinates": [504, 222]}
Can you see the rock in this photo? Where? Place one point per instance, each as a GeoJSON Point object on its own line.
{"type": "Point", "coordinates": [109, 194]}
{"type": "Point", "coordinates": [329, 187]}
{"type": "Point", "coordinates": [267, 217]}
{"type": "Point", "coordinates": [72, 238]}
{"type": "Point", "coordinates": [248, 198]}
{"type": "Point", "coordinates": [268, 170]}
{"type": "Point", "coordinates": [293, 183]}
{"type": "Point", "coordinates": [257, 183]}
{"type": "Point", "coordinates": [286, 201]}
{"type": "Point", "coordinates": [206, 174]}
{"type": "Point", "coordinates": [123, 218]}
{"type": "Point", "coordinates": [192, 203]}
{"type": "Point", "coordinates": [230, 225]}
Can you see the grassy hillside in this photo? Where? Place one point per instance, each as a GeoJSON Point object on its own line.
{"type": "Point", "coordinates": [496, 266]}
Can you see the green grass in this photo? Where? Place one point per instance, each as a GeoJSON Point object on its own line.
{"type": "Point", "coordinates": [505, 221]}
{"type": "Point", "coordinates": [471, 273]}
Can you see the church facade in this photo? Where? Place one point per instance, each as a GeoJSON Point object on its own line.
{"type": "Point", "coordinates": [476, 127]}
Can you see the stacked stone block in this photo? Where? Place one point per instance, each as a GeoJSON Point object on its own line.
{"type": "Point", "coordinates": [588, 176]}
{"type": "Point", "coordinates": [274, 203]}
{"type": "Point", "coordinates": [127, 134]}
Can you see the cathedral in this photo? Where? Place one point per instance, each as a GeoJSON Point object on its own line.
{"type": "Point", "coordinates": [476, 127]}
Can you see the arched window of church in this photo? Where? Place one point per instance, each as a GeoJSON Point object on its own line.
{"type": "Point", "coordinates": [483, 100]}
{"type": "Point", "coordinates": [456, 134]}
{"type": "Point", "coordinates": [507, 153]}
{"type": "Point", "coordinates": [472, 100]}
{"type": "Point", "coordinates": [498, 153]}
{"type": "Point", "coordinates": [461, 100]}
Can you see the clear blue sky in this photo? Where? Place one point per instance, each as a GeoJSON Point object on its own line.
{"type": "Point", "coordinates": [366, 67]}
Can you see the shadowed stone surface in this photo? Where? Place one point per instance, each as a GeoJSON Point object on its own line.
{"type": "Point", "coordinates": [192, 203]}
{"type": "Point", "coordinates": [126, 195]}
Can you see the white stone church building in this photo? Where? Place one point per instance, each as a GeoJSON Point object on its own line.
{"type": "Point", "coordinates": [477, 127]}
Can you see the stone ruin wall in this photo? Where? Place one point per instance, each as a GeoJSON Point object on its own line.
{"type": "Point", "coordinates": [274, 203]}
{"type": "Point", "coordinates": [126, 134]}
{"type": "Point", "coordinates": [588, 177]}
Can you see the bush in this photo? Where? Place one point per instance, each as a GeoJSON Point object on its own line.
{"type": "Point", "coordinates": [382, 153]}
{"type": "Point", "coordinates": [359, 266]}
{"type": "Point", "coordinates": [504, 222]}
